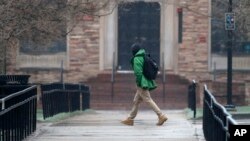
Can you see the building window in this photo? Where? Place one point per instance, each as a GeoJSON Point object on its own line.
{"type": "Point", "coordinates": [180, 24]}
{"type": "Point", "coordinates": [45, 47]}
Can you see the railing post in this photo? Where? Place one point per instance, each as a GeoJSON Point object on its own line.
{"type": "Point", "coordinates": [194, 97]}
{"type": "Point", "coordinates": [215, 73]}
{"type": "Point", "coordinates": [163, 77]}
{"type": "Point", "coordinates": [81, 95]}
{"type": "Point", "coordinates": [18, 125]}
{"type": "Point", "coordinates": [113, 78]}
{"type": "Point", "coordinates": [61, 80]}
{"type": "Point", "coordinates": [3, 104]}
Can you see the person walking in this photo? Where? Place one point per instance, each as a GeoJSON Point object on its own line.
{"type": "Point", "coordinates": [144, 85]}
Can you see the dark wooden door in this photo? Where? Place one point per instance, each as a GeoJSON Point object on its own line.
{"type": "Point", "coordinates": [138, 21]}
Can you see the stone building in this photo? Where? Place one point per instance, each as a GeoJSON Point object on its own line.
{"type": "Point", "coordinates": [176, 32]}
{"type": "Point", "coordinates": [90, 46]}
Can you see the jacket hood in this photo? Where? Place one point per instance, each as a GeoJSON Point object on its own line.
{"type": "Point", "coordinates": [135, 48]}
{"type": "Point", "coordinates": [141, 52]}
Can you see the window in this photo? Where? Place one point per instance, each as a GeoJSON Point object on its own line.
{"type": "Point", "coordinates": [44, 45]}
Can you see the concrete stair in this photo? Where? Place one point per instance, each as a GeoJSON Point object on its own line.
{"type": "Point", "coordinates": [124, 88]}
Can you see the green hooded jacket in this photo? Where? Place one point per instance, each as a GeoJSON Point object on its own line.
{"type": "Point", "coordinates": [137, 64]}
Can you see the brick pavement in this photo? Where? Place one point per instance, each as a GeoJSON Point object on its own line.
{"type": "Point", "coordinates": [105, 126]}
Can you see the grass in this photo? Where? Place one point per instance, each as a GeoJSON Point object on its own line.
{"type": "Point", "coordinates": [60, 116]}
{"type": "Point", "coordinates": [240, 110]}
{"type": "Point", "coordinates": [190, 113]}
{"type": "Point", "coordinates": [243, 109]}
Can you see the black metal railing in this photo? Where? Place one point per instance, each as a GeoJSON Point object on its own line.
{"type": "Point", "coordinates": [18, 112]}
{"type": "Point", "coordinates": [163, 78]}
{"type": "Point", "coordinates": [14, 79]}
{"type": "Point", "coordinates": [216, 120]}
{"type": "Point", "coordinates": [61, 97]}
{"type": "Point", "coordinates": [113, 77]}
{"type": "Point", "coordinates": [192, 97]}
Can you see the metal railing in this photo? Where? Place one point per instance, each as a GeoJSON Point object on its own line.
{"type": "Point", "coordinates": [14, 79]}
{"type": "Point", "coordinates": [163, 78]}
{"type": "Point", "coordinates": [113, 77]}
{"type": "Point", "coordinates": [216, 119]}
{"type": "Point", "coordinates": [61, 97]}
{"type": "Point", "coordinates": [192, 97]}
{"type": "Point", "coordinates": [18, 114]}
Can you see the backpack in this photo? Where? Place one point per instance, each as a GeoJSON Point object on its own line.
{"type": "Point", "coordinates": [150, 67]}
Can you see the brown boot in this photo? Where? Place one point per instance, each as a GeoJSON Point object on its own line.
{"type": "Point", "coordinates": [161, 120]}
{"type": "Point", "coordinates": [128, 121]}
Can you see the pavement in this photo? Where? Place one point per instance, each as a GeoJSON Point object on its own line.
{"type": "Point", "coordinates": [105, 125]}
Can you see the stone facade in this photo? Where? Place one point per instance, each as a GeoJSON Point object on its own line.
{"type": "Point", "coordinates": [83, 55]}
{"type": "Point", "coordinates": [247, 92]}
{"type": "Point", "coordinates": [194, 50]}
{"type": "Point", "coordinates": [82, 59]}
{"type": "Point", "coordinates": [240, 92]}
{"type": "Point", "coordinates": [85, 50]}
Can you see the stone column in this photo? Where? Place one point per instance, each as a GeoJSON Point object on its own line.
{"type": "Point", "coordinates": [167, 35]}
{"type": "Point", "coordinates": [108, 40]}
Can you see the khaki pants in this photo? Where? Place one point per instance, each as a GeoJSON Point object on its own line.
{"type": "Point", "coordinates": [143, 95]}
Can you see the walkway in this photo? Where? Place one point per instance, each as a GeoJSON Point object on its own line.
{"type": "Point", "coordinates": [106, 126]}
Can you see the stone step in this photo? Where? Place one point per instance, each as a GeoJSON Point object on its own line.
{"type": "Point", "coordinates": [120, 77]}
{"type": "Point", "coordinates": [124, 90]}
{"type": "Point", "coordinates": [132, 87]}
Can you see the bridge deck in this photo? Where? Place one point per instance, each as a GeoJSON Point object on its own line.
{"type": "Point", "coordinates": [106, 126]}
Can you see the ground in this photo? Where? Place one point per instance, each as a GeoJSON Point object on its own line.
{"type": "Point", "coordinates": [105, 125]}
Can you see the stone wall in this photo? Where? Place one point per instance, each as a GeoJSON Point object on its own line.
{"type": "Point", "coordinates": [247, 92]}
{"type": "Point", "coordinates": [237, 76]}
{"type": "Point", "coordinates": [82, 55]}
{"type": "Point", "coordinates": [240, 92]}
{"type": "Point", "coordinates": [2, 58]}
{"type": "Point", "coordinates": [84, 50]}
{"type": "Point", "coordinates": [194, 49]}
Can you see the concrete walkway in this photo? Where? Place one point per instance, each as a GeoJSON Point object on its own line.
{"type": "Point", "coordinates": [106, 126]}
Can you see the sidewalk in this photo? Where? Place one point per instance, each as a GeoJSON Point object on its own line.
{"type": "Point", "coordinates": [106, 126]}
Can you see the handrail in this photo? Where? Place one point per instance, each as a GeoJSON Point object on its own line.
{"type": "Point", "coordinates": [217, 113]}
{"type": "Point", "coordinates": [216, 102]}
{"type": "Point", "coordinates": [231, 120]}
{"type": "Point", "coordinates": [64, 97]}
{"type": "Point", "coordinates": [14, 95]}
{"type": "Point", "coordinates": [64, 86]}
{"type": "Point", "coordinates": [18, 113]}
{"type": "Point", "coordinates": [18, 104]}
{"type": "Point", "coordinates": [19, 79]}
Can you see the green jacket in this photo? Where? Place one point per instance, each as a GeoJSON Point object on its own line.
{"type": "Point", "coordinates": [137, 64]}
